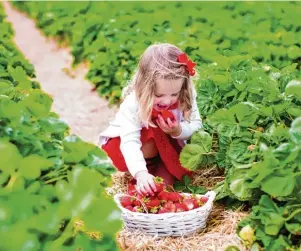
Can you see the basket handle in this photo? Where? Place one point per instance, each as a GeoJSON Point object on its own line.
{"type": "Point", "coordinates": [211, 196]}
{"type": "Point", "coordinates": [117, 198]}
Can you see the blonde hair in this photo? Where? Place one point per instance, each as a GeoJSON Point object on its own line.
{"type": "Point", "coordinates": [159, 61]}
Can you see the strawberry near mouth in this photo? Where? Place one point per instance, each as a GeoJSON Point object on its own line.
{"type": "Point", "coordinates": [164, 107]}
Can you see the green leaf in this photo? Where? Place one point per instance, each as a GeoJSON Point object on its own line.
{"type": "Point", "coordinates": [279, 184]}
{"type": "Point", "coordinates": [236, 180]}
{"type": "Point", "coordinates": [270, 215]}
{"type": "Point", "coordinates": [20, 77]}
{"type": "Point", "coordinates": [294, 228]}
{"type": "Point", "coordinates": [31, 166]}
{"type": "Point", "coordinates": [190, 156]}
{"type": "Point", "coordinates": [294, 88]}
{"type": "Point", "coordinates": [295, 131]}
{"type": "Point", "coordinates": [203, 139]}
{"type": "Point", "coordinates": [53, 125]}
{"type": "Point", "coordinates": [10, 156]}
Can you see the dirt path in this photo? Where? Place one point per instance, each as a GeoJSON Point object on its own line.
{"type": "Point", "coordinates": [84, 111]}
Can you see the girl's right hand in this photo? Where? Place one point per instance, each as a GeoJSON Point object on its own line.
{"type": "Point", "coordinates": [145, 183]}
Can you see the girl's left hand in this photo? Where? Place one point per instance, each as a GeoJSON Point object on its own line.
{"type": "Point", "coordinates": [172, 128]}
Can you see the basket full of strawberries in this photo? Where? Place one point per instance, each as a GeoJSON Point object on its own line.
{"type": "Point", "coordinates": [166, 213]}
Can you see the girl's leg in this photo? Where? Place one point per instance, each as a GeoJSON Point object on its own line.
{"type": "Point", "coordinates": [149, 149]}
{"type": "Point", "coordinates": [162, 171]}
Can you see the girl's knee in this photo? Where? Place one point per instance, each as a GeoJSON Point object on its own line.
{"type": "Point", "coordinates": [149, 149]}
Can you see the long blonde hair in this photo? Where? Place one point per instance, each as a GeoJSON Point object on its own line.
{"type": "Point", "coordinates": [159, 61]}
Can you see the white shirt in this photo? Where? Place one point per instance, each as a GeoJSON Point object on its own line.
{"type": "Point", "coordinates": [127, 126]}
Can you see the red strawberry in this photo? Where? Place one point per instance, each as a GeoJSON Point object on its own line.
{"type": "Point", "coordinates": [191, 203]}
{"type": "Point", "coordinates": [160, 185]}
{"type": "Point", "coordinates": [180, 207]}
{"type": "Point", "coordinates": [132, 189]}
{"type": "Point", "coordinates": [163, 210]}
{"type": "Point", "coordinates": [137, 199]}
{"type": "Point", "coordinates": [170, 206]}
{"type": "Point", "coordinates": [136, 202]}
{"type": "Point", "coordinates": [138, 209]}
{"type": "Point", "coordinates": [152, 202]}
{"type": "Point", "coordinates": [126, 201]}
{"type": "Point", "coordinates": [130, 208]}
{"type": "Point", "coordinates": [175, 197]}
{"type": "Point", "coordinates": [167, 114]}
{"type": "Point", "coordinates": [163, 195]}
{"type": "Point", "coordinates": [203, 199]}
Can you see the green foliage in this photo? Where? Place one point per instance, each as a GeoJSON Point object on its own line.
{"type": "Point", "coordinates": [185, 186]}
{"type": "Point", "coordinates": [248, 55]}
{"type": "Point", "coordinates": [112, 35]}
{"type": "Point", "coordinates": [50, 181]}
{"type": "Point", "coordinates": [255, 115]}
{"type": "Point", "coordinates": [197, 153]}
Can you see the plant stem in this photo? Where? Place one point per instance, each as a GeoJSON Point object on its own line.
{"type": "Point", "coordinates": [293, 214]}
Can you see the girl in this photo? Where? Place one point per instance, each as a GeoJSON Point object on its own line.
{"type": "Point", "coordinates": [141, 139]}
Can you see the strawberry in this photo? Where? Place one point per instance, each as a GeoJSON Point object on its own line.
{"type": "Point", "coordinates": [138, 209]}
{"type": "Point", "coordinates": [130, 208]}
{"type": "Point", "coordinates": [136, 202]}
{"type": "Point", "coordinates": [132, 189]}
{"type": "Point", "coordinates": [159, 183]}
{"type": "Point", "coordinates": [203, 199]}
{"type": "Point", "coordinates": [174, 196]}
{"type": "Point", "coordinates": [126, 201]}
{"type": "Point", "coordinates": [163, 210]}
{"type": "Point", "coordinates": [180, 207]}
{"type": "Point", "coordinates": [167, 114]}
{"type": "Point", "coordinates": [170, 206]}
{"type": "Point", "coordinates": [191, 203]}
{"type": "Point", "coordinates": [152, 202]}
{"type": "Point", "coordinates": [163, 195]}
{"type": "Point", "coordinates": [137, 199]}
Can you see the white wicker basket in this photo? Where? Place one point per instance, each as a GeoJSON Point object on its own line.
{"type": "Point", "coordinates": [168, 224]}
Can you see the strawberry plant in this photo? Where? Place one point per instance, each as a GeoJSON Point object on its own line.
{"type": "Point", "coordinates": [252, 117]}
{"type": "Point", "coordinates": [112, 44]}
{"type": "Point", "coordinates": [52, 184]}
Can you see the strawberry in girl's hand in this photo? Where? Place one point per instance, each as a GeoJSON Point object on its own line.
{"type": "Point", "coordinates": [167, 114]}
{"type": "Point", "coordinates": [159, 183]}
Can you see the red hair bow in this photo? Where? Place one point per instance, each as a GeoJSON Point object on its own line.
{"type": "Point", "coordinates": [182, 58]}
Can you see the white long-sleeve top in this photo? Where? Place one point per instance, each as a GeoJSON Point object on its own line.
{"type": "Point", "coordinates": [127, 126]}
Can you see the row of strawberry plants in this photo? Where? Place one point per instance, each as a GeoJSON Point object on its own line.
{"type": "Point", "coordinates": [252, 115]}
{"type": "Point", "coordinates": [111, 36]}
{"type": "Point", "coordinates": [52, 184]}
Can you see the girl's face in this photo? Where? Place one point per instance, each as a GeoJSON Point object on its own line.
{"type": "Point", "coordinates": [167, 92]}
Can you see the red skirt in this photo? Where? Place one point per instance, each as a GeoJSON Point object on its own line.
{"type": "Point", "coordinates": [168, 148]}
